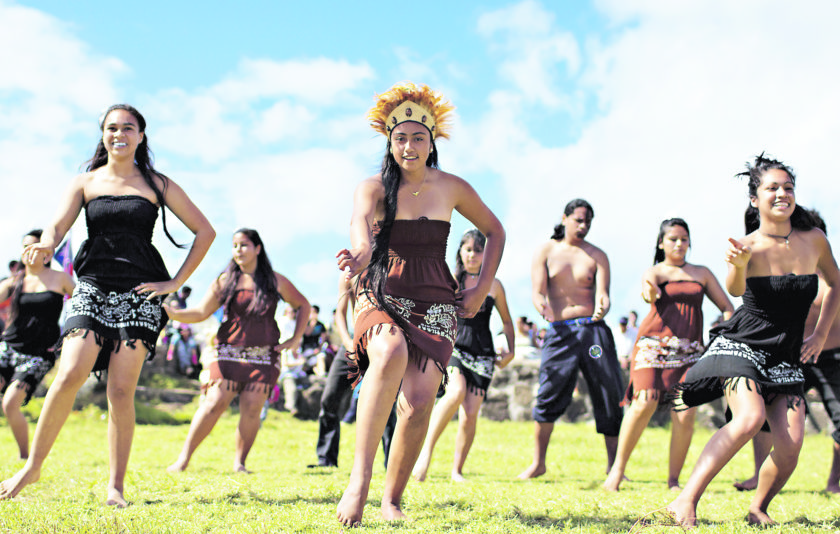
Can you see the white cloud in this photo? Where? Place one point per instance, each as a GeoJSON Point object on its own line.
{"type": "Point", "coordinates": [687, 93]}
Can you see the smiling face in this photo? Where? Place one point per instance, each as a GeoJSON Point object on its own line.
{"type": "Point", "coordinates": [121, 133]}
{"type": "Point", "coordinates": [244, 251]}
{"type": "Point", "coordinates": [471, 256]}
{"type": "Point", "coordinates": [774, 197]}
{"type": "Point", "coordinates": [577, 224]}
{"type": "Point", "coordinates": [411, 144]}
{"type": "Point", "coordinates": [675, 244]}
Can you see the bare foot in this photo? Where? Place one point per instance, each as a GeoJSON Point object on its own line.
{"type": "Point", "coordinates": [115, 498]}
{"type": "Point", "coordinates": [746, 485]}
{"type": "Point", "coordinates": [179, 466]}
{"type": "Point", "coordinates": [833, 487]}
{"type": "Point", "coordinates": [674, 484]}
{"type": "Point", "coordinates": [457, 477]}
{"type": "Point", "coordinates": [239, 468]}
{"type": "Point", "coordinates": [421, 467]}
{"type": "Point", "coordinates": [684, 514]}
{"type": "Point", "coordinates": [533, 471]}
{"type": "Point", "coordinates": [759, 517]}
{"type": "Point", "coordinates": [392, 512]}
{"type": "Point", "coordinates": [612, 482]}
{"type": "Point", "coordinates": [11, 487]}
{"type": "Point", "coordinates": [352, 505]}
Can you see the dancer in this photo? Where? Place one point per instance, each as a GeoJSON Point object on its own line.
{"type": "Point", "coordinates": [570, 286]}
{"type": "Point", "coordinates": [755, 358]}
{"type": "Point", "coordinates": [670, 340]}
{"type": "Point", "coordinates": [406, 304]}
{"type": "Point", "coordinates": [339, 385]}
{"type": "Point", "coordinates": [27, 349]}
{"type": "Point", "coordinates": [246, 359]}
{"type": "Point", "coordinates": [122, 281]}
{"type": "Point", "coordinates": [824, 376]}
{"type": "Point", "coordinates": [472, 363]}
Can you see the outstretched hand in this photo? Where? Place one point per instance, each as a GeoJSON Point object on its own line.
{"type": "Point", "coordinates": [738, 255]}
{"type": "Point", "coordinates": [650, 292]}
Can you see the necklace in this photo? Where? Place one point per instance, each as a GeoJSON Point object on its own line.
{"type": "Point", "coordinates": [415, 193]}
{"type": "Point", "coordinates": [683, 264]}
{"type": "Point", "coordinates": [785, 237]}
{"type": "Point", "coordinates": [473, 275]}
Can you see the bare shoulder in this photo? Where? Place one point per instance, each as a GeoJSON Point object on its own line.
{"type": "Point", "coordinates": [545, 249]}
{"type": "Point", "coordinates": [814, 236]}
{"type": "Point", "coordinates": [596, 253]}
{"type": "Point", "coordinates": [371, 184]}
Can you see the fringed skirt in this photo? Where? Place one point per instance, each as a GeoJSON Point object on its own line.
{"type": "Point", "coordinates": [476, 370]}
{"type": "Point", "coordinates": [114, 317]}
{"type": "Point", "coordinates": [659, 364]}
{"type": "Point", "coordinates": [244, 368]}
{"type": "Point", "coordinates": [729, 364]}
{"type": "Point", "coordinates": [429, 329]}
{"type": "Point", "coordinates": [24, 369]}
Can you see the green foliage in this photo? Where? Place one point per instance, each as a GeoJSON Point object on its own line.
{"type": "Point", "coordinates": [282, 495]}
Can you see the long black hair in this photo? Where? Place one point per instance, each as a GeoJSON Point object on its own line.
{"type": "Point", "coordinates": [266, 294]}
{"type": "Point", "coordinates": [560, 230]}
{"type": "Point", "coordinates": [478, 242]}
{"type": "Point", "coordinates": [659, 254]}
{"type": "Point", "coordinates": [377, 270]}
{"type": "Point", "coordinates": [17, 287]}
{"type": "Point", "coordinates": [800, 219]}
{"type": "Point", "coordinates": [143, 158]}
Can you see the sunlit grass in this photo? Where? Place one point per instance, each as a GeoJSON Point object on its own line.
{"type": "Point", "coordinates": [284, 496]}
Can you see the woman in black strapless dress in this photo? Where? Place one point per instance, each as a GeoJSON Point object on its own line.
{"type": "Point", "coordinates": [115, 315]}
{"type": "Point", "coordinates": [27, 346]}
{"type": "Point", "coordinates": [754, 359]}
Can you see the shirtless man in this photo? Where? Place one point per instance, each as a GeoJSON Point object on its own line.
{"type": "Point", "coordinates": [824, 376]}
{"type": "Point", "coordinates": [570, 281]}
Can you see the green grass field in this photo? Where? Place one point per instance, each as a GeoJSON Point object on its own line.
{"type": "Point", "coordinates": [282, 495]}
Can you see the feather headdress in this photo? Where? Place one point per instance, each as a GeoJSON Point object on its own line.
{"type": "Point", "coordinates": [406, 102]}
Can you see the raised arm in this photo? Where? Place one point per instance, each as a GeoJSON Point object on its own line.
{"type": "Point", "coordinates": [296, 300]}
{"type": "Point", "coordinates": [813, 344]}
{"type": "Point", "coordinates": [68, 210]}
{"type": "Point", "coordinates": [738, 257]}
{"type": "Point", "coordinates": [539, 283]}
{"type": "Point", "coordinates": [365, 200]}
{"type": "Point", "coordinates": [716, 294]}
{"type": "Point", "coordinates": [180, 204]}
{"type": "Point", "coordinates": [204, 309]}
{"type": "Point", "coordinates": [470, 205]}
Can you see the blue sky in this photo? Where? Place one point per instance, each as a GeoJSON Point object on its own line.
{"type": "Point", "coordinates": [646, 109]}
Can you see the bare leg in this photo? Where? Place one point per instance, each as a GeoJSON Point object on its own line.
{"type": "Point", "coordinates": [414, 408]}
{"type": "Point", "coordinates": [467, 422]}
{"type": "Point", "coordinates": [12, 401]}
{"type": "Point", "coordinates": [78, 357]}
{"type": "Point", "coordinates": [833, 485]}
{"type": "Point", "coordinates": [442, 414]}
{"type": "Point", "coordinates": [787, 427]}
{"type": "Point", "coordinates": [388, 355]}
{"type": "Point", "coordinates": [250, 406]}
{"type": "Point", "coordinates": [542, 435]}
{"type": "Point", "coordinates": [611, 443]}
{"type": "Point", "coordinates": [636, 419]}
{"type": "Point", "coordinates": [748, 415]}
{"type": "Point", "coordinates": [216, 402]}
{"type": "Point", "coordinates": [123, 373]}
{"type": "Point", "coordinates": [762, 444]}
{"type": "Point", "coordinates": [682, 429]}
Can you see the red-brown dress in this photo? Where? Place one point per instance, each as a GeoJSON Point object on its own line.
{"type": "Point", "coordinates": [245, 354]}
{"type": "Point", "coordinates": [421, 288]}
{"type": "Point", "coordinates": [670, 340]}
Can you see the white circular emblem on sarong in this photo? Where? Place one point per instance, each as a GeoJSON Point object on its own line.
{"type": "Point", "coordinates": [595, 351]}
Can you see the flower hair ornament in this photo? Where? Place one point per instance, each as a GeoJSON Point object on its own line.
{"type": "Point", "coordinates": [406, 102]}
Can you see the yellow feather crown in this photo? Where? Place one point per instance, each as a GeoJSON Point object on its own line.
{"type": "Point", "coordinates": [406, 102]}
